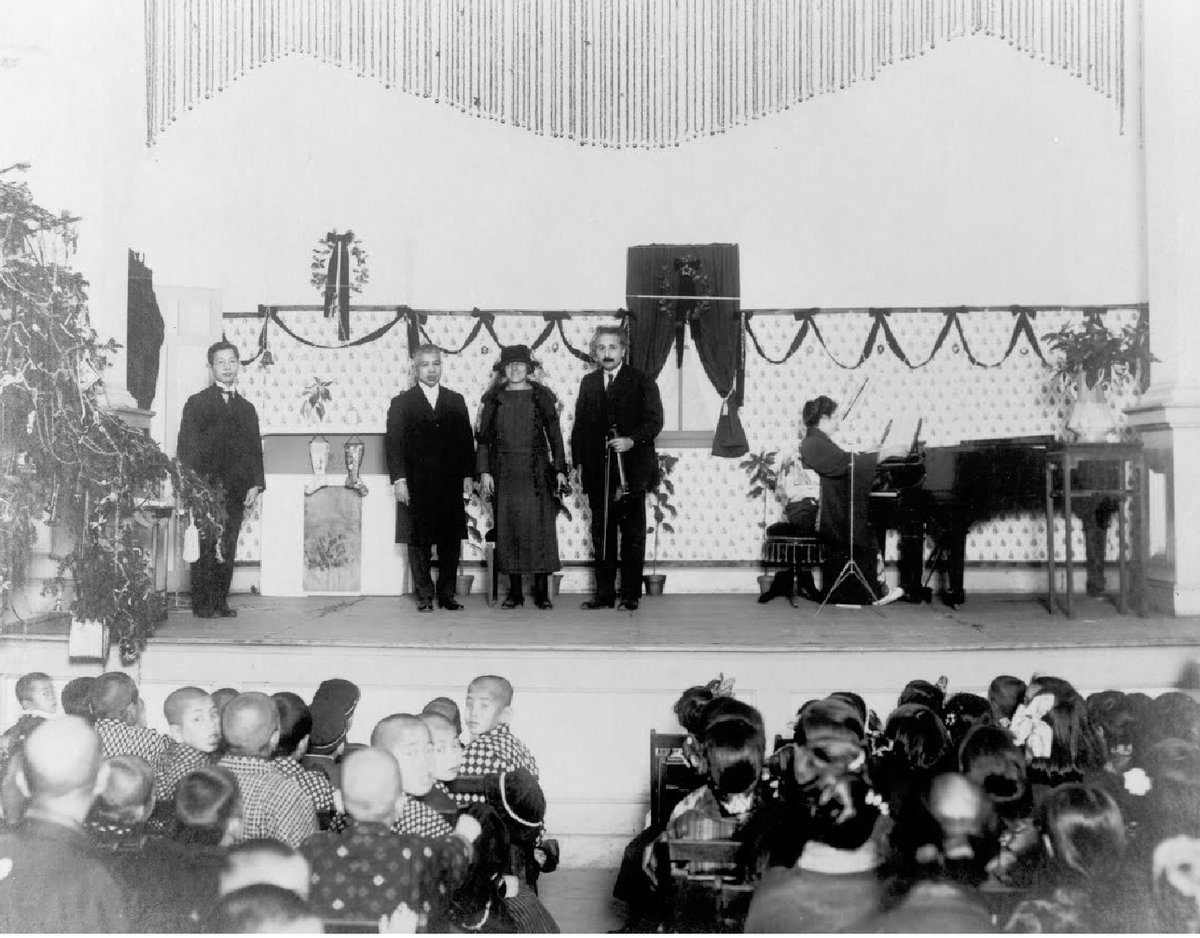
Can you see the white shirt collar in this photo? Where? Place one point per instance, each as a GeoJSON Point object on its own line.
{"type": "Point", "coordinates": [226, 388]}
{"type": "Point", "coordinates": [431, 393]}
{"type": "Point", "coordinates": [616, 371]}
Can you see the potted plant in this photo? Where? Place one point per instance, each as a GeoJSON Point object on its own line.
{"type": "Point", "coordinates": [763, 477]}
{"type": "Point", "coordinates": [475, 509]}
{"type": "Point", "coordinates": [661, 509]}
{"type": "Point", "coordinates": [316, 396]}
{"type": "Point", "coordinates": [1094, 360]}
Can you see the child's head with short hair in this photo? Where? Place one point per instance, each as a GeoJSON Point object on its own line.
{"type": "Point", "coordinates": [925, 693]}
{"type": "Point", "coordinates": [35, 691]}
{"type": "Point", "coordinates": [77, 697]}
{"type": "Point", "coordinates": [1005, 694]}
{"type": "Point", "coordinates": [489, 703]}
{"type": "Point", "coordinates": [295, 724]}
{"type": "Point", "coordinates": [1113, 718]}
{"type": "Point", "coordinates": [207, 807]}
{"type": "Point", "coordinates": [263, 909]}
{"type": "Point", "coordinates": [962, 712]}
{"type": "Point", "coordinates": [1085, 832]}
{"type": "Point", "coordinates": [989, 758]}
{"type": "Point", "coordinates": [114, 696]}
{"type": "Point", "coordinates": [446, 708]}
{"type": "Point", "coordinates": [409, 741]}
{"type": "Point", "coordinates": [128, 793]}
{"type": "Point", "coordinates": [222, 695]}
{"type": "Point", "coordinates": [733, 759]}
{"type": "Point", "coordinates": [447, 750]}
{"type": "Point", "coordinates": [192, 718]}
{"type": "Point", "coordinates": [265, 861]}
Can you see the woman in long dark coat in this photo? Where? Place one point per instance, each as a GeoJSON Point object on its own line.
{"type": "Point", "coordinates": [522, 463]}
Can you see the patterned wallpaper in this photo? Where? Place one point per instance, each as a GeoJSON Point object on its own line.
{"type": "Point", "coordinates": [956, 399]}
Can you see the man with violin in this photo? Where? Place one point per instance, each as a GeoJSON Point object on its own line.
{"type": "Point", "coordinates": [617, 416]}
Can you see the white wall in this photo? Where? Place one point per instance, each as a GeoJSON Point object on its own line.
{"type": "Point", "coordinates": [969, 175]}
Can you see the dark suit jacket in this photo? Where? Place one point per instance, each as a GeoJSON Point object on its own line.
{"type": "Point", "coordinates": [433, 450]}
{"type": "Point", "coordinates": [635, 409]}
{"type": "Point", "coordinates": [221, 441]}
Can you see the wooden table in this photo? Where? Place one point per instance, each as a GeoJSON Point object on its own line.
{"type": "Point", "coordinates": [1130, 488]}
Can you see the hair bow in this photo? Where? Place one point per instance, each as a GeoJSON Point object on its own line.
{"type": "Point", "coordinates": [1029, 728]}
{"type": "Point", "coordinates": [721, 686]}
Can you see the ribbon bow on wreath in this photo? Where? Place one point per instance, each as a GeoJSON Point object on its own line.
{"type": "Point", "coordinates": [1029, 728]}
{"type": "Point", "coordinates": [331, 274]}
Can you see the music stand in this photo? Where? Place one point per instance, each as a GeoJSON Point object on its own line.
{"type": "Point", "coordinates": [851, 567]}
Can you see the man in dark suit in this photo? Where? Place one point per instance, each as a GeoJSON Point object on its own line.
{"type": "Point", "coordinates": [219, 439]}
{"type": "Point", "coordinates": [618, 410]}
{"type": "Point", "coordinates": [431, 461]}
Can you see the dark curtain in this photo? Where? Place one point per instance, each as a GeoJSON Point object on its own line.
{"type": "Point", "coordinates": [651, 332]}
{"type": "Point", "coordinates": [717, 331]}
{"type": "Point", "coordinates": [143, 333]}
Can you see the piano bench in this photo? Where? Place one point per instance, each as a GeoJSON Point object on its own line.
{"type": "Point", "coordinates": [794, 553]}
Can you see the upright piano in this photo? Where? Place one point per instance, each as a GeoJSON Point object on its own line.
{"type": "Point", "coordinates": [941, 492]}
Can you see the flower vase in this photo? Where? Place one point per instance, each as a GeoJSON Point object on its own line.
{"type": "Point", "coordinates": [1091, 418]}
{"type": "Point", "coordinates": [88, 640]}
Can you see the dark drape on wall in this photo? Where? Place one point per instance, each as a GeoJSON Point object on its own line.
{"type": "Point", "coordinates": [655, 327]}
{"type": "Point", "coordinates": [651, 333]}
{"type": "Point", "coordinates": [143, 333]}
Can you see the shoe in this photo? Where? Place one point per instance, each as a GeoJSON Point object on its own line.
{"type": "Point", "coordinates": [628, 605]}
{"type": "Point", "coordinates": [227, 613]}
{"type": "Point", "coordinates": [451, 604]}
{"type": "Point", "coordinates": [892, 595]}
{"type": "Point", "coordinates": [202, 614]}
{"type": "Point", "coordinates": [425, 607]}
{"type": "Point", "coordinates": [543, 604]}
{"type": "Point", "coordinates": [597, 604]}
{"type": "Point", "coordinates": [512, 602]}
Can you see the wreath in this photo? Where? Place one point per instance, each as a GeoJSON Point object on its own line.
{"type": "Point", "coordinates": [361, 273]}
{"type": "Point", "coordinates": [684, 277]}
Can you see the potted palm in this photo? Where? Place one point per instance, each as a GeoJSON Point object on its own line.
{"type": "Point", "coordinates": [763, 476]}
{"type": "Point", "coordinates": [1095, 361]}
{"type": "Point", "coordinates": [662, 508]}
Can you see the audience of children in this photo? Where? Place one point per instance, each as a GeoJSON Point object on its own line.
{"type": "Point", "coordinates": [1029, 809]}
{"type": "Point", "coordinates": [1032, 809]}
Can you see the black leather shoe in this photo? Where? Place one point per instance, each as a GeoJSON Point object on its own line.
{"type": "Point", "coordinates": [628, 605]}
{"type": "Point", "coordinates": [201, 614]}
{"type": "Point", "coordinates": [450, 604]}
{"type": "Point", "coordinates": [424, 607]}
{"type": "Point", "coordinates": [596, 604]}
{"type": "Point", "coordinates": [227, 613]}
{"type": "Point", "coordinates": [543, 604]}
{"type": "Point", "coordinates": [512, 602]}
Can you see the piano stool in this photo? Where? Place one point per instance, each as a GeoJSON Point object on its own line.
{"type": "Point", "coordinates": [794, 553]}
{"type": "Point", "coordinates": [1131, 488]}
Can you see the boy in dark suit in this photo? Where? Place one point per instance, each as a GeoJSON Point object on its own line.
{"type": "Point", "coordinates": [219, 439]}
{"type": "Point", "coordinates": [618, 409]}
{"type": "Point", "coordinates": [431, 461]}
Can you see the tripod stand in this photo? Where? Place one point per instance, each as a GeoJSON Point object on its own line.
{"type": "Point", "coordinates": [851, 567]}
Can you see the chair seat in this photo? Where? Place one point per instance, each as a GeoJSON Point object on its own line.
{"type": "Point", "coordinates": [784, 551]}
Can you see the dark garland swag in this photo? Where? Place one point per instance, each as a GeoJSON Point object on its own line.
{"type": "Point", "coordinates": [880, 338]}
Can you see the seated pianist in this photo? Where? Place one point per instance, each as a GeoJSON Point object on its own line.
{"type": "Point", "coordinates": [843, 515]}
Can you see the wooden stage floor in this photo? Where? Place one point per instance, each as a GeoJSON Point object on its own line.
{"type": "Point", "coordinates": [733, 622]}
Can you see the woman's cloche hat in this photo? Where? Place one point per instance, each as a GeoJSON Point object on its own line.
{"type": "Point", "coordinates": [516, 353]}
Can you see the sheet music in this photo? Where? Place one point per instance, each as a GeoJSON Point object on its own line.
{"type": "Point", "coordinates": [901, 427]}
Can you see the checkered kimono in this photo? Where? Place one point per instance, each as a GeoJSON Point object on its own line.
{"type": "Point", "coordinates": [273, 805]}
{"type": "Point", "coordinates": [13, 739]}
{"type": "Point", "coordinates": [315, 784]}
{"type": "Point", "coordinates": [121, 739]}
{"type": "Point", "coordinates": [174, 763]}
{"type": "Point", "coordinates": [418, 818]}
{"type": "Point", "coordinates": [493, 752]}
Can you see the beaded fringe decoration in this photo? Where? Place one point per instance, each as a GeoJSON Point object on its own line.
{"type": "Point", "coordinates": [613, 73]}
